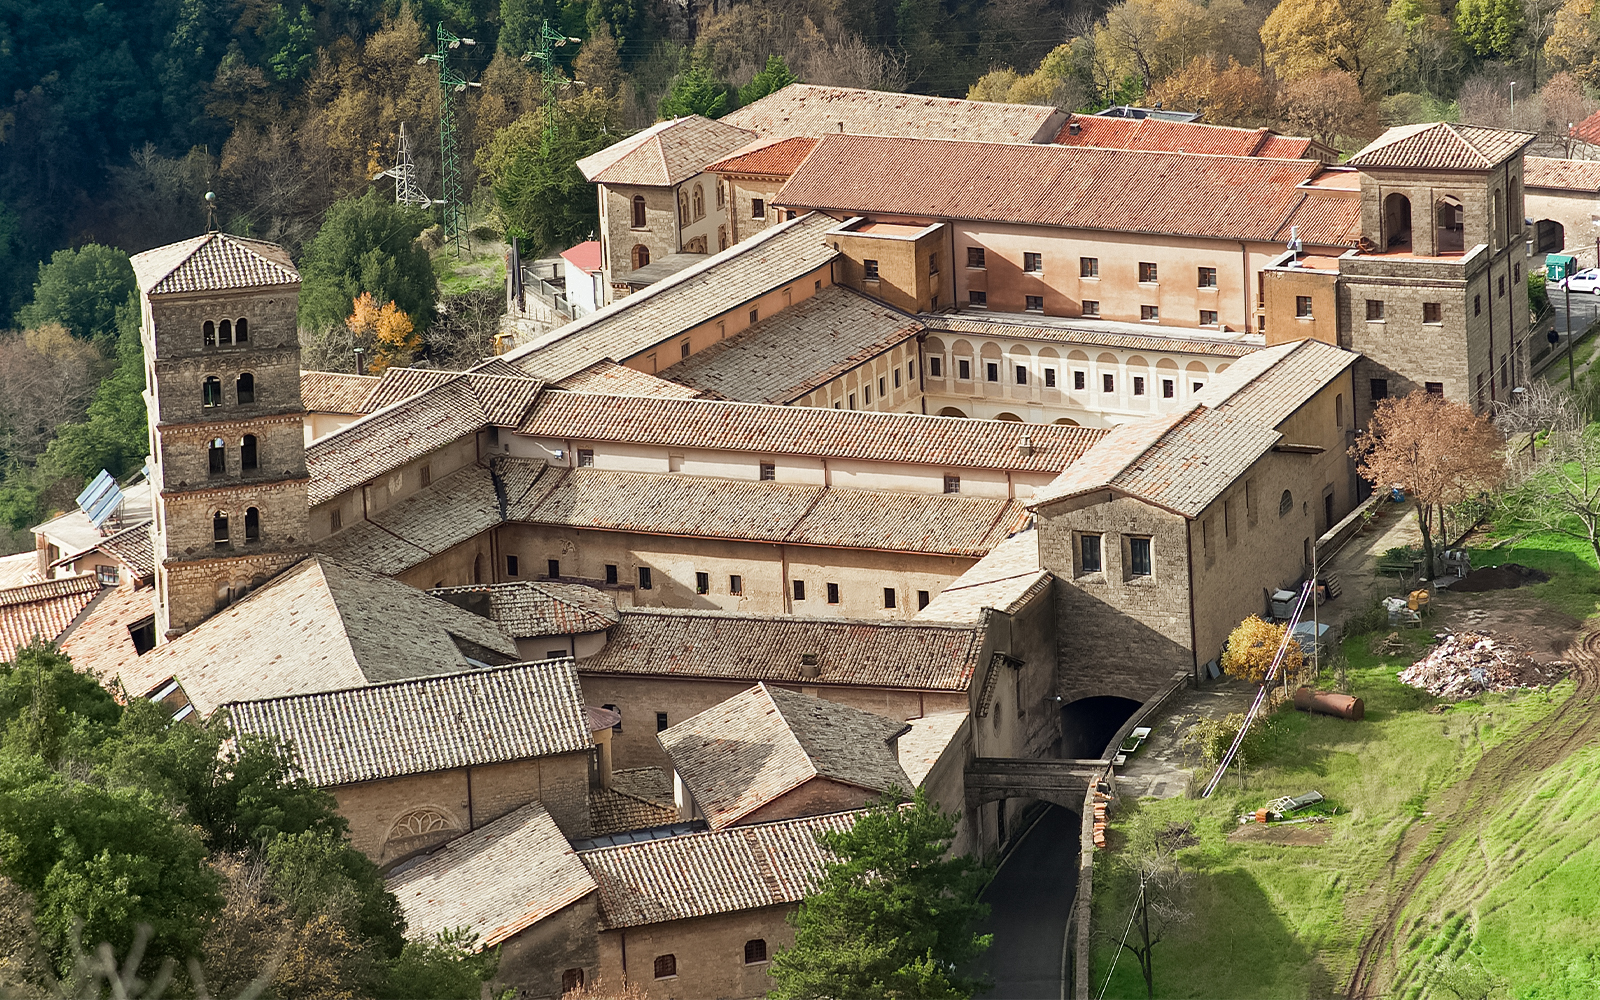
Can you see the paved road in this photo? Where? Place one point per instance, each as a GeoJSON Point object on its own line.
{"type": "Point", "coordinates": [1030, 899]}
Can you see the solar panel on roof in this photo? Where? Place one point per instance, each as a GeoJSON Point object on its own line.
{"type": "Point", "coordinates": [96, 489]}
{"type": "Point", "coordinates": [100, 499]}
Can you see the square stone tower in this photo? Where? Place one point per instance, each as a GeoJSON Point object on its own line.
{"type": "Point", "coordinates": [227, 445]}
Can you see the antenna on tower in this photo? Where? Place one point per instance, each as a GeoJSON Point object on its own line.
{"type": "Point", "coordinates": [406, 189]}
{"type": "Point", "coordinates": [450, 84]}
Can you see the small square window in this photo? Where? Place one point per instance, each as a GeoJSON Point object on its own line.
{"type": "Point", "coordinates": [870, 270]}
{"type": "Point", "coordinates": [978, 298]}
{"type": "Point", "coordinates": [1169, 388]}
{"type": "Point", "coordinates": [1091, 307]}
{"type": "Point", "coordinates": [1108, 382]}
{"type": "Point", "coordinates": [1138, 385]}
{"type": "Point", "coordinates": [611, 574]}
{"type": "Point", "coordinates": [1208, 317]}
{"type": "Point", "coordinates": [1033, 263]}
{"type": "Point", "coordinates": [644, 578]}
{"type": "Point", "coordinates": [1434, 388]}
{"type": "Point", "coordinates": [585, 458]}
{"type": "Point", "coordinates": [736, 584]}
{"type": "Point", "coordinates": [683, 348]}
{"type": "Point", "coordinates": [991, 371]}
{"type": "Point", "coordinates": [922, 599]}
{"type": "Point", "coordinates": [702, 583]}
{"type": "Point", "coordinates": [888, 597]}
{"type": "Point", "coordinates": [1147, 271]}
{"type": "Point", "coordinates": [833, 593]}
{"type": "Point", "coordinates": [799, 589]}
{"type": "Point", "coordinates": [1380, 389]}
{"type": "Point", "coordinates": [1138, 556]}
{"type": "Point", "coordinates": [511, 565]}
{"type": "Point", "coordinates": [769, 472]}
{"type": "Point", "coordinates": [107, 576]}
{"type": "Point", "coordinates": [755, 951]}
{"type": "Point", "coordinates": [975, 257]}
{"type": "Point", "coordinates": [758, 208]}
{"type": "Point", "coordinates": [936, 368]}
{"type": "Point", "coordinates": [1431, 312]}
{"type": "Point", "coordinates": [1150, 314]}
{"type": "Point", "coordinates": [952, 484]}
{"type": "Point", "coordinates": [661, 722]}
{"type": "Point", "coordinates": [1034, 303]}
{"type": "Point", "coordinates": [1302, 307]}
{"type": "Point", "coordinates": [1374, 310]}
{"type": "Point", "coordinates": [1088, 267]}
{"type": "Point", "coordinates": [1049, 378]}
{"type": "Point", "coordinates": [1022, 374]}
{"type": "Point", "coordinates": [1088, 553]}
{"type": "Point", "coordinates": [1079, 379]}
{"type": "Point", "coordinates": [1208, 277]}
{"type": "Point", "coordinates": [964, 370]}
{"type": "Point", "coordinates": [666, 966]}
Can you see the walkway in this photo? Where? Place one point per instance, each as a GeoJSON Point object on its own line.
{"type": "Point", "coordinates": [1030, 899]}
{"type": "Point", "coordinates": [1356, 565]}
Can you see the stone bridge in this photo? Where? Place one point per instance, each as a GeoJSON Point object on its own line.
{"type": "Point", "coordinates": [1064, 782]}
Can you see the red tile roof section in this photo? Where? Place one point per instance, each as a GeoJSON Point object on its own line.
{"type": "Point", "coordinates": [585, 256]}
{"type": "Point", "coordinates": [768, 158]}
{"type": "Point", "coordinates": [1561, 175]}
{"type": "Point", "coordinates": [1442, 146]}
{"type": "Point", "coordinates": [42, 611]}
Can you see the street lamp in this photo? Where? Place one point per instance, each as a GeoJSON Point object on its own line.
{"type": "Point", "coordinates": [1513, 95]}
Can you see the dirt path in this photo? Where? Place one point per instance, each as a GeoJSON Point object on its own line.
{"type": "Point", "coordinates": [1571, 726]}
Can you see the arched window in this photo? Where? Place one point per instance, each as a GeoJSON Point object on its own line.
{"type": "Point", "coordinates": [699, 201]}
{"type": "Point", "coordinates": [721, 198]}
{"type": "Point", "coordinates": [247, 387]}
{"type": "Point", "coordinates": [638, 211]}
{"type": "Point", "coordinates": [247, 452]}
{"type": "Point", "coordinates": [1285, 503]}
{"type": "Point", "coordinates": [211, 391]}
{"type": "Point", "coordinates": [477, 568]}
{"type": "Point", "coordinates": [641, 256]}
{"type": "Point", "coordinates": [219, 528]}
{"type": "Point", "coordinates": [252, 525]}
{"type": "Point", "coordinates": [241, 330]}
{"type": "Point", "coordinates": [225, 332]}
{"type": "Point", "coordinates": [217, 457]}
{"type": "Point", "coordinates": [1499, 220]}
{"type": "Point", "coordinates": [755, 949]}
{"type": "Point", "coordinates": [208, 333]}
{"type": "Point", "coordinates": [1397, 221]}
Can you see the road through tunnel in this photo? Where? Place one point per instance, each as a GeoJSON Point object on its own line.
{"type": "Point", "coordinates": [1088, 724]}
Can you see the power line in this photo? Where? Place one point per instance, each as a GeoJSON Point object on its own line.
{"type": "Point", "coordinates": [450, 84]}
{"type": "Point", "coordinates": [1125, 932]}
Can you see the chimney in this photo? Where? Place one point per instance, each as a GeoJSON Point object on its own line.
{"type": "Point", "coordinates": [1025, 446]}
{"type": "Point", "coordinates": [810, 669]}
{"type": "Point", "coordinates": [1073, 128]}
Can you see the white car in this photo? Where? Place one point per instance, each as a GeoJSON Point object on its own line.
{"type": "Point", "coordinates": [1586, 280]}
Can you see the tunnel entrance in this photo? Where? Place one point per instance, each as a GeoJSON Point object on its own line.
{"type": "Point", "coordinates": [1088, 724]}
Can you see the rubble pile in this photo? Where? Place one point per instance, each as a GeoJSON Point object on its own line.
{"type": "Point", "coordinates": [1464, 664]}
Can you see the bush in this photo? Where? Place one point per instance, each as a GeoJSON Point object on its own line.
{"type": "Point", "coordinates": [1209, 739]}
{"type": "Point", "coordinates": [1538, 295]}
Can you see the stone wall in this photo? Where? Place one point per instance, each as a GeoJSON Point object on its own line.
{"type": "Point", "coordinates": [709, 954]}
{"type": "Point", "coordinates": [533, 961]}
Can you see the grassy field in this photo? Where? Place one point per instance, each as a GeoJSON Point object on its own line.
{"type": "Point", "coordinates": [481, 264]}
{"type": "Point", "coordinates": [1510, 907]}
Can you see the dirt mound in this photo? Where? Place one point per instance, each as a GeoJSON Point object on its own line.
{"type": "Point", "coordinates": [1506, 577]}
{"type": "Point", "coordinates": [1464, 664]}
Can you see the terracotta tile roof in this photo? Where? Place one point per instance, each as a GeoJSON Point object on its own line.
{"type": "Point", "coordinates": [319, 626]}
{"type": "Point", "coordinates": [1179, 461]}
{"type": "Point", "coordinates": [526, 609]}
{"type": "Point", "coordinates": [717, 425]}
{"type": "Point", "coordinates": [785, 357]}
{"type": "Point", "coordinates": [42, 610]}
{"type": "Point", "coordinates": [100, 643]}
{"type": "Point", "coordinates": [1588, 130]}
{"type": "Point", "coordinates": [1115, 190]}
{"type": "Point", "coordinates": [1561, 175]}
{"type": "Point", "coordinates": [766, 157]}
{"type": "Point", "coordinates": [1165, 136]}
{"type": "Point", "coordinates": [496, 881]}
{"type": "Point", "coordinates": [1441, 146]}
{"type": "Point", "coordinates": [704, 874]}
{"type": "Point", "coordinates": [613, 810]}
{"type": "Point", "coordinates": [1004, 580]}
{"type": "Point", "coordinates": [586, 256]}
{"type": "Point", "coordinates": [1324, 217]}
{"type": "Point", "coordinates": [1291, 147]}
{"type": "Point", "coordinates": [611, 379]}
{"type": "Point", "coordinates": [426, 724]}
{"type": "Point", "coordinates": [698, 294]}
{"type": "Point", "coordinates": [417, 527]}
{"type": "Point", "coordinates": [135, 548]}
{"type": "Point", "coordinates": [665, 153]}
{"type": "Point", "coordinates": [1270, 385]}
{"type": "Point", "coordinates": [212, 262]}
{"type": "Point", "coordinates": [1171, 341]}
{"type": "Point", "coordinates": [410, 425]}
{"type": "Point", "coordinates": [724, 646]}
{"type": "Point", "coordinates": [336, 392]}
{"type": "Point", "coordinates": [743, 753]}
{"type": "Point", "coordinates": [397, 384]}
{"type": "Point", "coordinates": [803, 109]}
{"type": "Point", "coordinates": [19, 568]}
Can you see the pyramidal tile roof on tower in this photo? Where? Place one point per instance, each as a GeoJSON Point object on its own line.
{"type": "Point", "coordinates": [213, 262]}
{"type": "Point", "coordinates": [1441, 146]}
{"type": "Point", "coordinates": [665, 153]}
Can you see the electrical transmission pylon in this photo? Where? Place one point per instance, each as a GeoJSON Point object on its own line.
{"type": "Point", "coordinates": [545, 55]}
{"type": "Point", "coordinates": [406, 189]}
{"type": "Point", "coordinates": [450, 84]}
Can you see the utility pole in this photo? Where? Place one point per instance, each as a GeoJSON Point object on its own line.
{"type": "Point", "coordinates": [450, 84]}
{"type": "Point", "coordinates": [406, 189]}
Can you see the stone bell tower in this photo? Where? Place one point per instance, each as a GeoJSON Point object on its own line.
{"type": "Point", "coordinates": [228, 464]}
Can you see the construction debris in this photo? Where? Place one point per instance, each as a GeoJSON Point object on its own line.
{"type": "Point", "coordinates": [1464, 664]}
{"type": "Point", "coordinates": [1101, 801]}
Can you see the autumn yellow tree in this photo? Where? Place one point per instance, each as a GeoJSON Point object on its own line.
{"type": "Point", "coordinates": [386, 328]}
{"type": "Point", "coordinates": [1232, 95]}
{"type": "Point", "coordinates": [1252, 647]}
{"type": "Point", "coordinates": [1306, 37]}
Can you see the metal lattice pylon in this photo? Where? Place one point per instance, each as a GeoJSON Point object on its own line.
{"type": "Point", "coordinates": [406, 189]}
{"type": "Point", "coordinates": [550, 77]}
{"type": "Point", "coordinates": [450, 84]}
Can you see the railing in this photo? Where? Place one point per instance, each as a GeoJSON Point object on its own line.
{"type": "Point", "coordinates": [545, 287]}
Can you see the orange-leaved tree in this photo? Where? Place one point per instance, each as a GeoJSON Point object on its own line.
{"type": "Point", "coordinates": [1252, 646]}
{"type": "Point", "coordinates": [387, 328]}
{"type": "Point", "coordinates": [1437, 450]}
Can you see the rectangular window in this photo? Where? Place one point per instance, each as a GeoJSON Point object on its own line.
{"type": "Point", "coordinates": [936, 368]}
{"type": "Point", "coordinates": [611, 574]}
{"type": "Point", "coordinates": [1431, 312]}
{"type": "Point", "coordinates": [335, 520]}
{"type": "Point", "coordinates": [427, 474]}
{"type": "Point", "coordinates": [1091, 307]}
{"type": "Point", "coordinates": [758, 208]}
{"type": "Point", "coordinates": [661, 722]}
{"type": "Point", "coordinates": [1434, 388]}
{"type": "Point", "coordinates": [1302, 307]}
{"type": "Point", "coordinates": [1208, 317]}
{"type": "Point", "coordinates": [975, 257]}
{"type": "Point", "coordinates": [755, 316]}
{"type": "Point", "coordinates": [881, 390]}
{"type": "Point", "coordinates": [1169, 388]}
{"type": "Point", "coordinates": [1138, 556]}
{"type": "Point", "coordinates": [107, 576]}
{"type": "Point", "coordinates": [1108, 382]}
{"type": "Point", "coordinates": [922, 599]}
{"type": "Point", "coordinates": [888, 597]}
{"type": "Point", "coordinates": [1088, 553]}
{"type": "Point", "coordinates": [897, 377]}
{"type": "Point", "coordinates": [1049, 378]}
{"type": "Point", "coordinates": [1477, 305]}
{"type": "Point", "coordinates": [683, 348]}
{"type": "Point", "coordinates": [1501, 281]}
{"type": "Point", "coordinates": [1138, 385]}
{"type": "Point", "coordinates": [911, 370]}
{"type": "Point", "coordinates": [1022, 375]}
{"type": "Point", "coordinates": [1033, 303]}
{"type": "Point", "coordinates": [852, 401]}
{"type": "Point", "coordinates": [964, 370]}
{"type": "Point", "coordinates": [1147, 271]}
{"type": "Point", "coordinates": [552, 567]}
{"type": "Point", "coordinates": [702, 583]}
{"type": "Point", "coordinates": [978, 298]}
{"type": "Point", "coordinates": [769, 472]}
{"type": "Point", "coordinates": [933, 263]}
{"type": "Point", "coordinates": [952, 484]}
{"type": "Point", "coordinates": [799, 589]}
{"type": "Point", "coordinates": [735, 584]}
{"type": "Point", "coordinates": [1208, 277]}
{"type": "Point", "coordinates": [866, 396]}
{"type": "Point", "coordinates": [1516, 270]}
{"type": "Point", "coordinates": [833, 593]}
{"type": "Point", "coordinates": [1088, 267]}
{"type": "Point", "coordinates": [644, 578]}
{"type": "Point", "coordinates": [1033, 263]}
{"type": "Point", "coordinates": [1374, 310]}
{"type": "Point", "coordinates": [511, 566]}
{"type": "Point", "coordinates": [869, 270]}
{"type": "Point", "coordinates": [1079, 379]}
{"type": "Point", "coordinates": [991, 371]}
{"type": "Point", "coordinates": [1380, 389]}
{"type": "Point", "coordinates": [1197, 386]}
{"type": "Point", "coordinates": [1149, 313]}
{"type": "Point", "coordinates": [585, 458]}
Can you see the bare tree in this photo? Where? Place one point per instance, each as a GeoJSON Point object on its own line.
{"type": "Point", "coordinates": [1561, 492]}
{"type": "Point", "coordinates": [1161, 888]}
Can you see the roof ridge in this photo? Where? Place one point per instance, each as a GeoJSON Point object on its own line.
{"type": "Point", "coordinates": [404, 681]}
{"type": "Point", "coordinates": [734, 831]}
{"type": "Point", "coordinates": [64, 586]}
{"type": "Point", "coordinates": [777, 618]}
